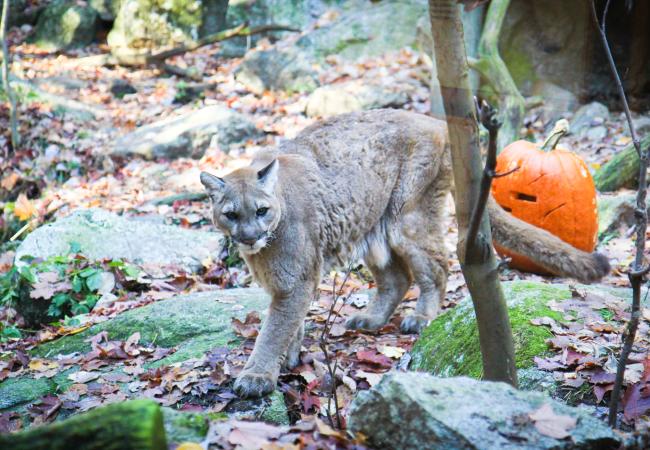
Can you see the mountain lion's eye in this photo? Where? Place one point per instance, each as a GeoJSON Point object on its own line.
{"type": "Point", "coordinates": [261, 212]}
{"type": "Point", "coordinates": [231, 215]}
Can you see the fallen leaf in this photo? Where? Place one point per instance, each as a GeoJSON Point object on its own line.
{"type": "Point", "coordinates": [391, 352]}
{"type": "Point", "coordinates": [23, 208]}
{"type": "Point", "coordinates": [249, 327]}
{"type": "Point", "coordinates": [550, 424]}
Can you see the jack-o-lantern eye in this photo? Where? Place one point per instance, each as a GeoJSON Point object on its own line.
{"type": "Point", "coordinates": [231, 215]}
{"type": "Point", "coordinates": [261, 212]}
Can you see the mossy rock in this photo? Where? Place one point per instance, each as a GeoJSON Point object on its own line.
{"type": "Point", "coordinates": [193, 324]}
{"type": "Point", "coordinates": [449, 346]}
{"type": "Point", "coordinates": [143, 26]}
{"type": "Point", "coordinates": [64, 24]}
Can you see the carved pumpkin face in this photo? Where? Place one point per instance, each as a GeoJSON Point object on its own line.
{"type": "Point", "coordinates": [552, 190]}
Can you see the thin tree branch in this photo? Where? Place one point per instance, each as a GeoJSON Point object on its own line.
{"type": "Point", "coordinates": [637, 272]}
{"type": "Point", "coordinates": [322, 342]}
{"type": "Point", "coordinates": [488, 117]}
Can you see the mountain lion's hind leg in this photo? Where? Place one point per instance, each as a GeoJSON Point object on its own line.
{"type": "Point", "coordinates": [393, 280]}
{"type": "Point", "coordinates": [422, 246]}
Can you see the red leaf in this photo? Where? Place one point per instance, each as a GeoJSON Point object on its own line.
{"type": "Point", "coordinates": [374, 358]}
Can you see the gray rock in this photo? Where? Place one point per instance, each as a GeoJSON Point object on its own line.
{"type": "Point", "coordinates": [641, 125]}
{"type": "Point", "coordinates": [616, 213]}
{"type": "Point", "coordinates": [143, 26]}
{"type": "Point", "coordinates": [366, 29]}
{"type": "Point", "coordinates": [586, 115]}
{"type": "Point", "coordinates": [596, 133]}
{"type": "Point", "coordinates": [65, 24]}
{"type": "Point", "coordinates": [557, 100]}
{"type": "Point", "coordinates": [104, 235]}
{"type": "Point", "coordinates": [188, 135]}
{"type": "Point", "coordinates": [348, 97]}
{"type": "Point", "coordinates": [415, 411]}
{"type": "Point", "coordinates": [544, 41]}
{"type": "Point", "coordinates": [277, 70]}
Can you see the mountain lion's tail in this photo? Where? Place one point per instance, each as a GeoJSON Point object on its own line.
{"type": "Point", "coordinates": [544, 248]}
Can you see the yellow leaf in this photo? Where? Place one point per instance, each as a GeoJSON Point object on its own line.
{"type": "Point", "coordinates": [189, 446]}
{"type": "Point", "coordinates": [40, 365]}
{"type": "Point", "coordinates": [595, 166]}
{"type": "Point", "coordinates": [23, 208]}
{"type": "Point", "coordinates": [391, 352]}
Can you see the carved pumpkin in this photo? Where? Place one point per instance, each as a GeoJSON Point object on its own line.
{"type": "Point", "coordinates": [551, 189]}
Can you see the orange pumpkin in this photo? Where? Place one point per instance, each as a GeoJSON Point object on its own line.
{"type": "Point", "coordinates": [551, 189]}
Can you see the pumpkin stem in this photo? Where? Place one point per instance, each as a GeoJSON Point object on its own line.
{"type": "Point", "coordinates": [559, 130]}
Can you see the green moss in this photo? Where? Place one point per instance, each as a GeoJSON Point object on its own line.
{"type": "Point", "coordinates": [276, 412]}
{"type": "Point", "coordinates": [449, 346]}
{"type": "Point", "coordinates": [519, 65]}
{"type": "Point", "coordinates": [65, 24]}
{"type": "Point", "coordinates": [182, 426]}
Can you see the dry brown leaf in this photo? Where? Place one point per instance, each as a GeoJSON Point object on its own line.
{"type": "Point", "coordinates": [10, 181]}
{"type": "Point", "coordinates": [550, 424]}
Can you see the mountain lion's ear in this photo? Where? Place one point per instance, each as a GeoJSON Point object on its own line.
{"type": "Point", "coordinates": [268, 176]}
{"type": "Point", "coordinates": [211, 182]}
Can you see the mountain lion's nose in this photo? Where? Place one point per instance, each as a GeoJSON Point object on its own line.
{"type": "Point", "coordinates": [248, 241]}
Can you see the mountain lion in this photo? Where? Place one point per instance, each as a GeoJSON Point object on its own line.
{"type": "Point", "coordinates": [368, 185]}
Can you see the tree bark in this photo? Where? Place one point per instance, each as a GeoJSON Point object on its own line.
{"type": "Point", "coordinates": [479, 265]}
{"type": "Point", "coordinates": [622, 171]}
{"type": "Point", "coordinates": [494, 70]}
{"type": "Point", "coordinates": [132, 425]}
{"type": "Point", "coordinates": [13, 119]}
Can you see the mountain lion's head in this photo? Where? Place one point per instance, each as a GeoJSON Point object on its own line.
{"type": "Point", "coordinates": [245, 206]}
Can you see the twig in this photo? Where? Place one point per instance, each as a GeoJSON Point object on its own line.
{"type": "Point", "coordinates": [331, 368]}
{"type": "Point", "coordinates": [637, 272]}
{"type": "Point", "coordinates": [488, 117]}
{"type": "Point", "coordinates": [13, 119]}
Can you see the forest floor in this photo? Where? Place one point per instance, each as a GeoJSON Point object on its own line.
{"type": "Point", "coordinates": [65, 163]}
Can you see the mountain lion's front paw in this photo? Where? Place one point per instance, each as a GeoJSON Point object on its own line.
{"type": "Point", "coordinates": [413, 324]}
{"type": "Point", "coordinates": [364, 322]}
{"type": "Point", "coordinates": [251, 385]}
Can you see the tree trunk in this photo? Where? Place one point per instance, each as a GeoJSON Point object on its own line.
{"type": "Point", "coordinates": [622, 171]}
{"type": "Point", "coordinates": [13, 120]}
{"type": "Point", "coordinates": [132, 425]}
{"type": "Point", "coordinates": [479, 268]}
{"type": "Point", "coordinates": [494, 70]}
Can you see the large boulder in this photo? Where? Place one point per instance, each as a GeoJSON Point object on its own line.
{"type": "Point", "coordinates": [145, 26]}
{"type": "Point", "coordinates": [188, 135]}
{"type": "Point", "coordinates": [616, 213]}
{"type": "Point", "coordinates": [192, 324]}
{"type": "Point", "coordinates": [449, 346]}
{"type": "Point", "coordinates": [415, 411]}
{"type": "Point", "coordinates": [103, 235]}
{"type": "Point", "coordinates": [65, 24]}
{"type": "Point", "coordinates": [348, 97]}
{"type": "Point", "coordinates": [366, 29]}
{"type": "Point", "coordinates": [277, 70]}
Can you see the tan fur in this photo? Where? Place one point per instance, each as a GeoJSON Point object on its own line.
{"type": "Point", "coordinates": [369, 185]}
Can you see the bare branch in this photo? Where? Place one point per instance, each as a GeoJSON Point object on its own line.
{"type": "Point", "coordinates": [332, 366]}
{"type": "Point", "coordinates": [636, 272]}
{"type": "Point", "coordinates": [488, 117]}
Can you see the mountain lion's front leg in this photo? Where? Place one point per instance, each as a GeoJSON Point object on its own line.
{"type": "Point", "coordinates": [286, 315]}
